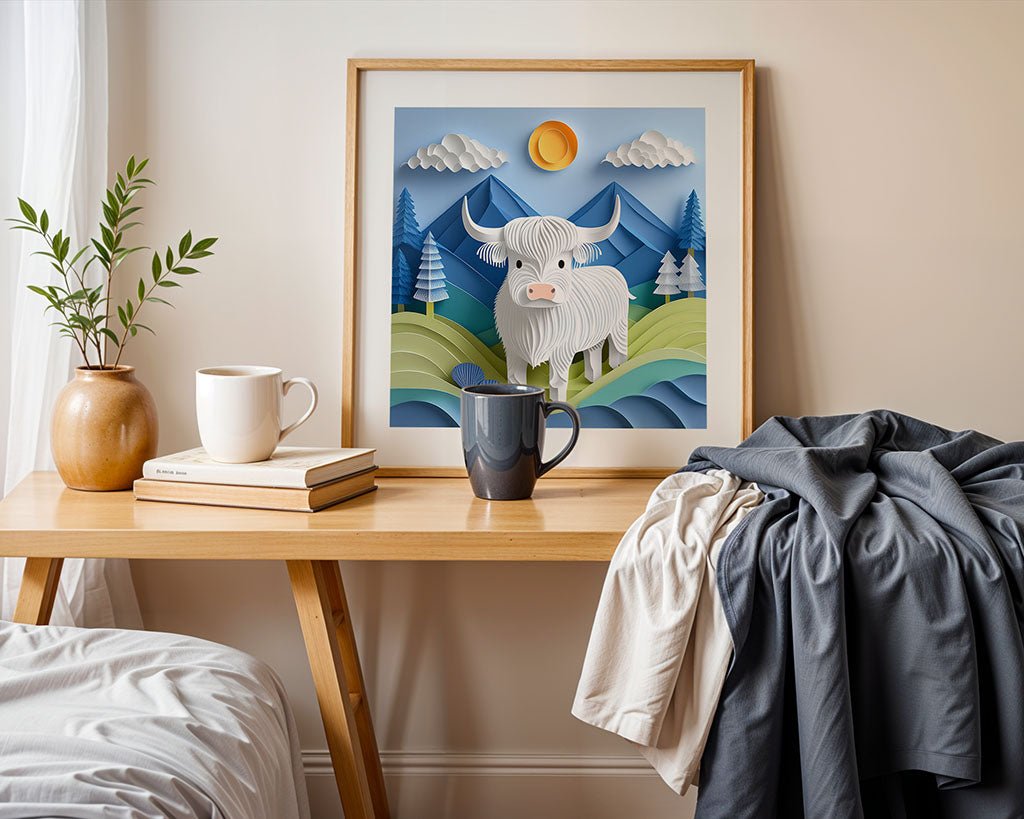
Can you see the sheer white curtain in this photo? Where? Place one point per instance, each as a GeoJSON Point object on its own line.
{"type": "Point", "coordinates": [54, 154]}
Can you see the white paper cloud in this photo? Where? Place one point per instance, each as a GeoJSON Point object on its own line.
{"type": "Point", "coordinates": [457, 152]}
{"type": "Point", "coordinates": [652, 149]}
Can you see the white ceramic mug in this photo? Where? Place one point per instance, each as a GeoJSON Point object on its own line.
{"type": "Point", "coordinates": [239, 411]}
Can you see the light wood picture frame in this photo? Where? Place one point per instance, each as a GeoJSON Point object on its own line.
{"type": "Point", "coordinates": [379, 89]}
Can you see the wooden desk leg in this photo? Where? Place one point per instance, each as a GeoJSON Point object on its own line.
{"type": "Point", "coordinates": [333, 657]}
{"type": "Point", "coordinates": [39, 583]}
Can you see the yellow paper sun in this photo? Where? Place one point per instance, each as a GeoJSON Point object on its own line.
{"type": "Point", "coordinates": [553, 145]}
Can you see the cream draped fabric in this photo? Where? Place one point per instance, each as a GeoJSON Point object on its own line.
{"type": "Point", "coordinates": [660, 646]}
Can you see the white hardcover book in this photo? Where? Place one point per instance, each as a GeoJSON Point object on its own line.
{"type": "Point", "coordinates": [290, 467]}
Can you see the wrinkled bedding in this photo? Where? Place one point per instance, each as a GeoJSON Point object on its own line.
{"type": "Point", "coordinates": [876, 603]}
{"type": "Point", "coordinates": [108, 723]}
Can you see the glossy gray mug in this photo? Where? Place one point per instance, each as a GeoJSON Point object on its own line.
{"type": "Point", "coordinates": [503, 438]}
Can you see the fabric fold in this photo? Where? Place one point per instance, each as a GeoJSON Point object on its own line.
{"type": "Point", "coordinates": [660, 645]}
{"type": "Point", "coordinates": [875, 606]}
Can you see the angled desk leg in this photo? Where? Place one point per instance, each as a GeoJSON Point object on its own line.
{"type": "Point", "coordinates": [39, 583]}
{"type": "Point", "coordinates": [334, 660]}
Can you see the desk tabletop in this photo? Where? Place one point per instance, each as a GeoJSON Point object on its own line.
{"type": "Point", "coordinates": [568, 519]}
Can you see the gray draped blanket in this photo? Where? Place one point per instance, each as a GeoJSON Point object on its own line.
{"type": "Point", "coordinates": [876, 602]}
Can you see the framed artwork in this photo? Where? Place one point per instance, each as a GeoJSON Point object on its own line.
{"type": "Point", "coordinates": [582, 226]}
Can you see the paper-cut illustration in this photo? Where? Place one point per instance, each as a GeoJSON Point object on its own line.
{"type": "Point", "coordinates": [691, 234]}
{"type": "Point", "coordinates": [468, 374]}
{"type": "Point", "coordinates": [401, 280]}
{"type": "Point", "coordinates": [430, 287]}
{"type": "Point", "coordinates": [689, 276]}
{"type": "Point", "coordinates": [553, 304]}
{"type": "Point", "coordinates": [668, 277]}
{"type": "Point", "coordinates": [553, 145]}
{"type": "Point", "coordinates": [617, 330]}
{"type": "Point", "coordinates": [457, 152]}
{"type": "Point", "coordinates": [652, 149]}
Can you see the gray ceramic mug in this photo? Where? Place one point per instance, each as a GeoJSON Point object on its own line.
{"type": "Point", "coordinates": [503, 438]}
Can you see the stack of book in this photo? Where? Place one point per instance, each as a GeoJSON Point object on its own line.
{"type": "Point", "coordinates": [294, 479]}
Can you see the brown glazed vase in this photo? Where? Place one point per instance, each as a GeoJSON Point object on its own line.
{"type": "Point", "coordinates": [104, 428]}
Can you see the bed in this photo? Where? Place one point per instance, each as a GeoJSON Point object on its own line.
{"type": "Point", "coordinates": [111, 723]}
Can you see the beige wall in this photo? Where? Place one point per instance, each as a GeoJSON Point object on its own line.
{"type": "Point", "coordinates": [888, 273]}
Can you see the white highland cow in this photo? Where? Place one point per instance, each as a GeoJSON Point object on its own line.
{"type": "Point", "coordinates": [553, 304]}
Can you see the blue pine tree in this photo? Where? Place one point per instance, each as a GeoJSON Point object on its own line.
{"type": "Point", "coordinates": [401, 280]}
{"type": "Point", "coordinates": [691, 234]}
{"type": "Point", "coordinates": [406, 229]}
{"type": "Point", "coordinates": [430, 287]}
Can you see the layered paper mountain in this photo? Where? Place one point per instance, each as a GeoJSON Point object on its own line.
{"type": "Point", "coordinates": [636, 248]}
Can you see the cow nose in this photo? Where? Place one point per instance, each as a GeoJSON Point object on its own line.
{"type": "Point", "coordinates": [540, 291]}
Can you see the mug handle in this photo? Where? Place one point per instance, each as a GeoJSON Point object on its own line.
{"type": "Point", "coordinates": [305, 382]}
{"type": "Point", "coordinates": [549, 407]}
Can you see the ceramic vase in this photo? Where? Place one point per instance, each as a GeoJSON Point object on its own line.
{"type": "Point", "coordinates": [104, 428]}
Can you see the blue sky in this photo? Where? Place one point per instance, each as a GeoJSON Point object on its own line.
{"type": "Point", "coordinates": [558, 193]}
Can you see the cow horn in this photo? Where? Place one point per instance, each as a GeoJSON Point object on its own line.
{"type": "Point", "coordinates": [599, 234]}
{"type": "Point", "coordinates": [481, 234]}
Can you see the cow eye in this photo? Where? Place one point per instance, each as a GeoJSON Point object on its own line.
{"type": "Point", "coordinates": [519, 262]}
{"type": "Point", "coordinates": [561, 262]}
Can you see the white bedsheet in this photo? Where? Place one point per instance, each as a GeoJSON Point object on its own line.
{"type": "Point", "coordinates": [108, 723]}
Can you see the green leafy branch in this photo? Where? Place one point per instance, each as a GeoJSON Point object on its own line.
{"type": "Point", "coordinates": [128, 314]}
{"type": "Point", "coordinates": [84, 311]}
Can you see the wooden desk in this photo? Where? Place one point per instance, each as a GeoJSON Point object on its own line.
{"type": "Point", "coordinates": [405, 519]}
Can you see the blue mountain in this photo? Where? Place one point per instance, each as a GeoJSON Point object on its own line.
{"type": "Point", "coordinates": [639, 242]}
{"type": "Point", "coordinates": [492, 203]}
{"type": "Point", "coordinates": [636, 247]}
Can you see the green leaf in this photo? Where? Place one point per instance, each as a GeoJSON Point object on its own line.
{"type": "Point", "coordinates": [199, 254]}
{"type": "Point", "coordinates": [159, 300]}
{"type": "Point", "coordinates": [121, 182]}
{"type": "Point", "coordinates": [64, 248]}
{"type": "Point", "coordinates": [204, 244]}
{"type": "Point", "coordinates": [127, 251]}
{"type": "Point", "coordinates": [169, 258]}
{"type": "Point", "coordinates": [27, 210]}
{"type": "Point", "coordinates": [133, 330]}
{"type": "Point", "coordinates": [131, 308]}
{"type": "Point", "coordinates": [108, 214]}
{"type": "Point", "coordinates": [121, 315]}
{"type": "Point", "coordinates": [44, 221]}
{"type": "Point", "coordinates": [141, 165]}
{"type": "Point", "coordinates": [185, 271]}
{"type": "Point", "coordinates": [25, 227]}
{"type": "Point", "coordinates": [77, 256]}
{"type": "Point", "coordinates": [185, 243]}
{"type": "Point", "coordinates": [43, 293]}
{"type": "Point", "coordinates": [168, 283]}
{"type": "Point", "coordinates": [110, 334]}
{"type": "Point", "coordinates": [108, 237]}
{"type": "Point", "coordinates": [130, 211]}
{"type": "Point", "coordinates": [111, 199]}
{"type": "Point", "coordinates": [143, 182]}
{"type": "Point", "coordinates": [156, 266]}
{"type": "Point", "coordinates": [101, 251]}
{"type": "Point", "coordinates": [142, 290]}
{"type": "Point", "coordinates": [131, 165]}
{"type": "Point", "coordinates": [144, 327]}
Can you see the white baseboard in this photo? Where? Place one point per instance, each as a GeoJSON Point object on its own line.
{"type": "Point", "coordinates": [443, 763]}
